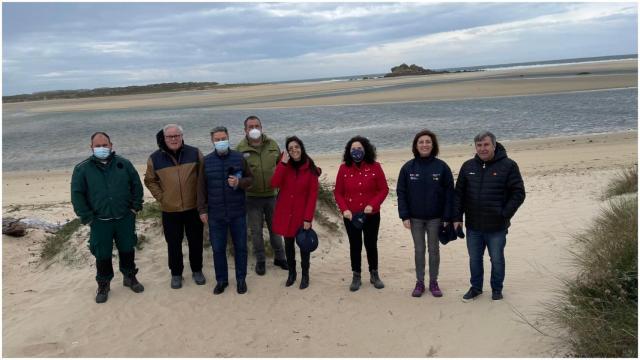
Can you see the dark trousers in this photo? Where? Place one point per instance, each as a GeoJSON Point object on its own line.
{"type": "Point", "coordinates": [370, 232]}
{"type": "Point", "coordinates": [477, 242]}
{"type": "Point", "coordinates": [218, 229]}
{"type": "Point", "coordinates": [175, 225]}
{"type": "Point", "coordinates": [103, 234]}
{"type": "Point", "coordinates": [290, 251]}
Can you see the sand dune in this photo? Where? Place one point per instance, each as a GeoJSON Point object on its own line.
{"type": "Point", "coordinates": [49, 309]}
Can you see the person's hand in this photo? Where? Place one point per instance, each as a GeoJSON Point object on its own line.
{"type": "Point", "coordinates": [407, 223]}
{"type": "Point", "coordinates": [347, 214]}
{"type": "Point", "coordinates": [204, 218]}
{"type": "Point", "coordinates": [307, 225]}
{"type": "Point", "coordinates": [285, 156]}
{"type": "Point", "coordinates": [457, 224]}
{"type": "Point", "coordinates": [233, 181]}
{"type": "Point", "coordinates": [368, 209]}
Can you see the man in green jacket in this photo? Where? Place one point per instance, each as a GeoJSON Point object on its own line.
{"type": "Point", "coordinates": [261, 153]}
{"type": "Point", "coordinates": [106, 193]}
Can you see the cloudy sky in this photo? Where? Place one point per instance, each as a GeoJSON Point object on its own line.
{"type": "Point", "coordinates": [50, 46]}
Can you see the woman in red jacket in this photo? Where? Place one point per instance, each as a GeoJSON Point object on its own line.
{"type": "Point", "coordinates": [296, 176]}
{"type": "Point", "coordinates": [361, 187]}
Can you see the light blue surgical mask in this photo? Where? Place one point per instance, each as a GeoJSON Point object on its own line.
{"type": "Point", "coordinates": [101, 152]}
{"type": "Point", "coordinates": [221, 146]}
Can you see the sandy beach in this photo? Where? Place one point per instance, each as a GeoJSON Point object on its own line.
{"type": "Point", "coordinates": [508, 82]}
{"type": "Point", "coordinates": [49, 309]}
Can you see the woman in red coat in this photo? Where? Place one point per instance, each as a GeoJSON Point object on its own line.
{"type": "Point", "coordinates": [361, 187]}
{"type": "Point", "coordinates": [296, 176]}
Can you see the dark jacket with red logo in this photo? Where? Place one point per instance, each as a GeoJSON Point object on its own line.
{"type": "Point", "coordinates": [489, 193]}
{"type": "Point", "coordinates": [360, 185]}
{"type": "Point", "coordinates": [297, 197]}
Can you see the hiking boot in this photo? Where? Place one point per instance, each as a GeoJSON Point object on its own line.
{"type": "Point", "coordinates": [261, 268]}
{"type": "Point", "coordinates": [496, 295]}
{"type": "Point", "coordinates": [242, 286]}
{"type": "Point", "coordinates": [435, 289]}
{"type": "Point", "coordinates": [471, 294]}
{"type": "Point", "coordinates": [355, 282]}
{"type": "Point", "coordinates": [102, 294]}
{"type": "Point", "coordinates": [281, 263]}
{"type": "Point", "coordinates": [131, 282]}
{"type": "Point", "coordinates": [375, 280]}
{"type": "Point", "coordinates": [198, 278]}
{"type": "Point", "coordinates": [291, 279]}
{"type": "Point", "coordinates": [419, 290]}
{"type": "Point", "coordinates": [219, 288]}
{"type": "Point", "coordinates": [176, 281]}
{"type": "Point", "coordinates": [304, 282]}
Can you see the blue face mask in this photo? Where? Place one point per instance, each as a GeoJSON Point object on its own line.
{"type": "Point", "coordinates": [357, 155]}
{"type": "Point", "coordinates": [221, 146]}
{"type": "Point", "coordinates": [101, 152]}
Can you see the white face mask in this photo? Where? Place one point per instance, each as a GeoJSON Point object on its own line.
{"type": "Point", "coordinates": [255, 134]}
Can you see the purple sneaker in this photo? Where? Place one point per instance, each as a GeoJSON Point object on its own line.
{"type": "Point", "coordinates": [435, 289]}
{"type": "Point", "coordinates": [417, 292]}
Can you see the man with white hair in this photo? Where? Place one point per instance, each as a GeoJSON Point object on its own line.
{"type": "Point", "coordinates": [172, 177]}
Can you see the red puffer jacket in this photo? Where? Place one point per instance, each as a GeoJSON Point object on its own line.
{"type": "Point", "coordinates": [296, 201]}
{"type": "Point", "coordinates": [359, 186]}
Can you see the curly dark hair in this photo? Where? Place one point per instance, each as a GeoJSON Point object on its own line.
{"type": "Point", "coordinates": [434, 140]}
{"type": "Point", "coordinates": [369, 150]}
{"type": "Point", "coordinates": [304, 157]}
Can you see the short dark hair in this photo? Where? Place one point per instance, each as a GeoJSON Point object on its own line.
{"type": "Point", "coordinates": [251, 117]}
{"type": "Point", "coordinates": [369, 150]}
{"type": "Point", "coordinates": [219, 129]}
{"type": "Point", "coordinates": [100, 133]}
{"type": "Point", "coordinates": [483, 135]}
{"type": "Point", "coordinates": [434, 140]}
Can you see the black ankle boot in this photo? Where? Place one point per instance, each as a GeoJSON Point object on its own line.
{"type": "Point", "coordinates": [291, 279]}
{"type": "Point", "coordinates": [304, 281]}
{"type": "Point", "coordinates": [102, 294]}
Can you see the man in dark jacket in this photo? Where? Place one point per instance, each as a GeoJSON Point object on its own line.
{"type": "Point", "coordinates": [172, 177]}
{"type": "Point", "coordinates": [106, 193]}
{"type": "Point", "coordinates": [489, 191]}
{"type": "Point", "coordinates": [221, 204]}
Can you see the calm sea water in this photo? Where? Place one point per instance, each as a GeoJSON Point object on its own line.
{"type": "Point", "coordinates": [60, 140]}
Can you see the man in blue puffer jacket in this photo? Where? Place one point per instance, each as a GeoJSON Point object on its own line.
{"type": "Point", "coordinates": [221, 204]}
{"type": "Point", "coordinates": [489, 191]}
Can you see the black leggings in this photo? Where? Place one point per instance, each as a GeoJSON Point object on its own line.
{"type": "Point", "coordinates": [370, 231]}
{"type": "Point", "coordinates": [290, 252]}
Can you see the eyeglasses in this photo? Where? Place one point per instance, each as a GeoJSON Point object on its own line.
{"type": "Point", "coordinates": [171, 137]}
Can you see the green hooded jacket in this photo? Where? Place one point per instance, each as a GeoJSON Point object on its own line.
{"type": "Point", "coordinates": [262, 160]}
{"type": "Point", "coordinates": [105, 191]}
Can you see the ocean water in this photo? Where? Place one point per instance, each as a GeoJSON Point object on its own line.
{"type": "Point", "coordinates": [60, 140]}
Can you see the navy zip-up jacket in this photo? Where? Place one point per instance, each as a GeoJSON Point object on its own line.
{"type": "Point", "coordinates": [425, 189]}
{"type": "Point", "coordinates": [489, 193]}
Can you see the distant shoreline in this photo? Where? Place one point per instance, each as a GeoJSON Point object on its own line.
{"type": "Point", "coordinates": [453, 86]}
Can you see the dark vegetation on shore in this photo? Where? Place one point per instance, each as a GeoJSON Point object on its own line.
{"type": "Point", "coordinates": [597, 311]}
{"type": "Point", "coordinates": [413, 69]}
{"type": "Point", "coordinates": [115, 91]}
{"type": "Point", "coordinates": [327, 215]}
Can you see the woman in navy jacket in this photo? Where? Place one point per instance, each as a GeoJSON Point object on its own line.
{"type": "Point", "coordinates": [425, 199]}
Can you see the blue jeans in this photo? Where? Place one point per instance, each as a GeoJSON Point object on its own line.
{"type": "Point", "coordinates": [477, 241]}
{"type": "Point", "coordinates": [218, 237]}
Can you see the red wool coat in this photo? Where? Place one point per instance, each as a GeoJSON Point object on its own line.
{"type": "Point", "coordinates": [296, 201]}
{"type": "Point", "coordinates": [357, 187]}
